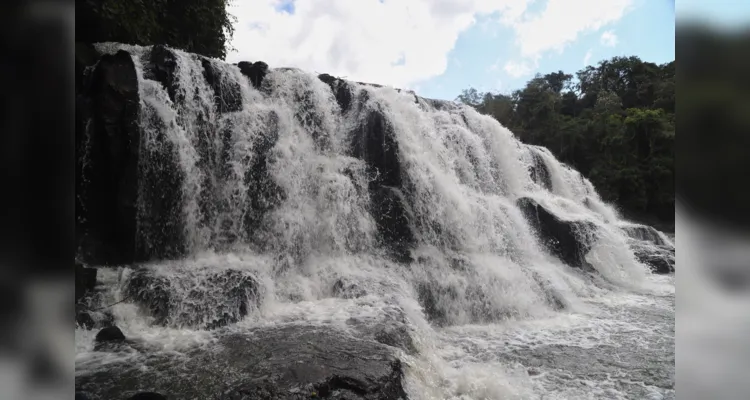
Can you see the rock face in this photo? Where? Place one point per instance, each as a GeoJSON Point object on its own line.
{"type": "Point", "coordinates": [228, 93]}
{"type": "Point", "coordinates": [107, 137]}
{"type": "Point", "coordinates": [284, 363]}
{"type": "Point", "coordinates": [568, 240]}
{"type": "Point", "coordinates": [206, 299]}
{"type": "Point", "coordinates": [374, 142]}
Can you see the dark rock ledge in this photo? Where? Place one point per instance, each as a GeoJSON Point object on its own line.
{"type": "Point", "coordinates": [295, 362]}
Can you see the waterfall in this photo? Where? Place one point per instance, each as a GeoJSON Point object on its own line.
{"type": "Point", "coordinates": [314, 201]}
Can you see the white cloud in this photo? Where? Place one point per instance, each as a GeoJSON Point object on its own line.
{"type": "Point", "coordinates": [518, 69]}
{"type": "Point", "coordinates": [609, 39]}
{"type": "Point", "coordinates": [560, 23]}
{"type": "Point", "coordinates": [363, 40]}
{"type": "Point", "coordinates": [587, 58]}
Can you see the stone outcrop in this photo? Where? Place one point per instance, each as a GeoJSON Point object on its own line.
{"type": "Point", "coordinates": [295, 362]}
{"type": "Point", "coordinates": [568, 240]}
{"type": "Point", "coordinates": [107, 156]}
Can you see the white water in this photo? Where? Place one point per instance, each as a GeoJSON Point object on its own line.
{"type": "Point", "coordinates": [465, 171]}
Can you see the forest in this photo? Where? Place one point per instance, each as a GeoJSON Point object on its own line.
{"type": "Point", "coordinates": [613, 122]}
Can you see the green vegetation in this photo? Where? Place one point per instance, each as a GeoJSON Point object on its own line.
{"type": "Point", "coordinates": [198, 26]}
{"type": "Point", "coordinates": [614, 123]}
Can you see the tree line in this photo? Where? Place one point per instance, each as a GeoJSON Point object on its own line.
{"type": "Point", "coordinates": [614, 122]}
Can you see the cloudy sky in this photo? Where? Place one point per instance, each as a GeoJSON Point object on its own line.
{"type": "Point", "coordinates": [439, 47]}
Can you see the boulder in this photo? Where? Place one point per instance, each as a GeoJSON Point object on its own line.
{"type": "Point", "coordinates": [255, 72]}
{"type": "Point", "coordinates": [292, 362]}
{"type": "Point", "coordinates": [568, 240]}
{"type": "Point", "coordinates": [110, 334]}
{"type": "Point", "coordinates": [204, 299]}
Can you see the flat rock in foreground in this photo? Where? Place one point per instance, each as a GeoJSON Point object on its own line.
{"type": "Point", "coordinates": [286, 363]}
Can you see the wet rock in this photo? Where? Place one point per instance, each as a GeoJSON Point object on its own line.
{"type": "Point", "coordinates": [568, 240]}
{"type": "Point", "coordinates": [347, 290]}
{"type": "Point", "coordinates": [107, 158]}
{"type": "Point", "coordinates": [228, 94]}
{"type": "Point", "coordinates": [254, 71]}
{"type": "Point", "coordinates": [81, 396]}
{"type": "Point", "coordinates": [204, 299]}
{"type": "Point", "coordinates": [295, 362]}
{"type": "Point", "coordinates": [650, 248]}
{"type": "Point", "coordinates": [396, 336]}
{"type": "Point", "coordinates": [539, 172]}
{"type": "Point", "coordinates": [436, 298]}
{"type": "Point", "coordinates": [644, 233]}
{"type": "Point", "coordinates": [161, 233]}
{"type": "Point", "coordinates": [375, 143]}
{"type": "Point", "coordinates": [163, 66]}
{"type": "Point", "coordinates": [390, 213]}
{"type": "Point", "coordinates": [262, 191]}
{"type": "Point", "coordinates": [340, 89]}
{"type": "Point", "coordinates": [661, 259]}
{"type": "Point", "coordinates": [110, 334]}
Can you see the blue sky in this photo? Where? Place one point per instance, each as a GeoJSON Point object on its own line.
{"type": "Point", "coordinates": [440, 47]}
{"type": "Point", "coordinates": [647, 32]}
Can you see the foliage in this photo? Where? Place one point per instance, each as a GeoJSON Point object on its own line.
{"type": "Point", "coordinates": [199, 26]}
{"type": "Point", "coordinates": [614, 123]}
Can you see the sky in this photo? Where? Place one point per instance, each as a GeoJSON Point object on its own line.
{"type": "Point", "coordinates": [440, 47]}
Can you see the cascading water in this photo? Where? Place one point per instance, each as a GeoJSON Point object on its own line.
{"type": "Point", "coordinates": [317, 203]}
